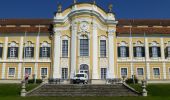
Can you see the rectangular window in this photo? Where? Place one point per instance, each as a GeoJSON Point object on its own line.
{"type": "Point", "coordinates": [102, 48]}
{"type": "Point", "coordinates": [29, 52]}
{"type": "Point", "coordinates": [122, 51]}
{"type": "Point", "coordinates": [27, 71]}
{"type": "Point", "coordinates": [12, 52]}
{"type": "Point", "coordinates": [43, 71]}
{"type": "Point", "coordinates": [84, 47]}
{"type": "Point", "coordinates": [64, 73]}
{"type": "Point", "coordinates": [156, 72]}
{"type": "Point", "coordinates": [65, 48]}
{"type": "Point", "coordinates": [103, 73]}
{"type": "Point", "coordinates": [44, 52]}
{"type": "Point", "coordinates": [11, 72]}
{"type": "Point", "coordinates": [123, 71]}
{"type": "Point", "coordinates": [140, 71]}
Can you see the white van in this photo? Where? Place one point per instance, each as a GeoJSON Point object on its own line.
{"type": "Point", "coordinates": [80, 78]}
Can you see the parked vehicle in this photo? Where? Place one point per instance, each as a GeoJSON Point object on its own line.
{"type": "Point", "coordinates": [80, 78]}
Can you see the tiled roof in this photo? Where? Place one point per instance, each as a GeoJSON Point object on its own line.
{"type": "Point", "coordinates": [120, 27]}
{"type": "Point", "coordinates": [25, 21]}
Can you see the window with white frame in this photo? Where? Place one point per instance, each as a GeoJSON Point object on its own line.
{"type": "Point", "coordinates": [156, 71]}
{"type": "Point", "coordinates": [123, 71]}
{"type": "Point", "coordinates": [45, 50]}
{"type": "Point", "coordinates": [138, 51]}
{"type": "Point", "coordinates": [102, 48]}
{"type": "Point", "coordinates": [154, 50]}
{"type": "Point", "coordinates": [140, 71]}
{"type": "Point", "coordinates": [13, 50]}
{"type": "Point", "coordinates": [43, 71]}
{"type": "Point", "coordinates": [64, 48]}
{"type": "Point", "coordinates": [84, 45]}
{"type": "Point", "coordinates": [28, 50]}
{"type": "Point", "coordinates": [27, 71]}
{"type": "Point", "coordinates": [103, 73]}
{"type": "Point", "coordinates": [123, 50]}
{"type": "Point", "coordinates": [64, 73]}
{"type": "Point", "coordinates": [11, 72]}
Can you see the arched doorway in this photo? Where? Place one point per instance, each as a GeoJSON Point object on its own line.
{"type": "Point", "coordinates": [84, 68]}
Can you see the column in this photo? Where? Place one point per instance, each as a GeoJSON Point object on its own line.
{"type": "Point", "coordinates": [162, 49]}
{"type": "Point", "coordinates": [56, 53]}
{"type": "Point", "coordinates": [20, 57]}
{"type": "Point", "coordinates": [147, 58]}
{"type": "Point", "coordinates": [111, 54]}
{"type": "Point", "coordinates": [163, 58]}
{"type": "Point", "coordinates": [95, 74]}
{"type": "Point", "coordinates": [73, 50]}
{"type": "Point", "coordinates": [131, 56]}
{"type": "Point", "coordinates": [148, 70]}
{"type": "Point", "coordinates": [37, 55]}
{"type": "Point", "coordinates": [164, 70]}
{"type": "Point", "coordinates": [4, 57]}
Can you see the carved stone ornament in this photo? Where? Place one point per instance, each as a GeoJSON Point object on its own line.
{"type": "Point", "coordinates": [84, 26]}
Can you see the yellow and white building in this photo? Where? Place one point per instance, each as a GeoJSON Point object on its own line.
{"type": "Point", "coordinates": [85, 38]}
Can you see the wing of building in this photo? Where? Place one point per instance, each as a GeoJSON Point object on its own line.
{"type": "Point", "coordinates": [85, 38]}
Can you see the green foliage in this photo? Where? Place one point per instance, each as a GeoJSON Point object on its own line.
{"type": "Point", "coordinates": [131, 80]}
{"type": "Point", "coordinates": [31, 81]}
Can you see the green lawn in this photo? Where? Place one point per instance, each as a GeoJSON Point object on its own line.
{"type": "Point", "coordinates": [156, 92]}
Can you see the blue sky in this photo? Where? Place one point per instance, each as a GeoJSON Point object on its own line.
{"type": "Point", "coordinates": [129, 9]}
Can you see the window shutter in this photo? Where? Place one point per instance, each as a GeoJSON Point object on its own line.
{"type": "Point", "coordinates": [1, 50]}
{"type": "Point", "coordinates": [159, 51]}
{"type": "Point", "coordinates": [16, 53]}
{"type": "Point", "coordinates": [118, 49]}
{"type": "Point", "coordinates": [23, 52]}
{"type": "Point", "coordinates": [40, 51]}
{"type": "Point", "coordinates": [48, 52]}
{"type": "Point", "coordinates": [134, 51]}
{"type": "Point", "coordinates": [150, 51]}
{"type": "Point", "coordinates": [166, 52]}
{"type": "Point", "coordinates": [32, 51]}
{"type": "Point", "coordinates": [8, 52]}
{"type": "Point", "coordinates": [143, 51]}
{"type": "Point", "coordinates": [127, 51]}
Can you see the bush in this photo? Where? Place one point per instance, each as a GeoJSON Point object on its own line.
{"type": "Point", "coordinates": [130, 80]}
{"type": "Point", "coordinates": [31, 81]}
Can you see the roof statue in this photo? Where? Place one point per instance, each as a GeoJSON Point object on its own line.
{"type": "Point", "coordinates": [110, 8]}
{"type": "Point", "coordinates": [59, 8]}
{"type": "Point", "coordinates": [75, 1]}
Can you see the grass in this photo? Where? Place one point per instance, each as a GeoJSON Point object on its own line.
{"type": "Point", "coordinates": [156, 92]}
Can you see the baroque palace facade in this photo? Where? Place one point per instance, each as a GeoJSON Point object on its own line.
{"type": "Point", "coordinates": [84, 38]}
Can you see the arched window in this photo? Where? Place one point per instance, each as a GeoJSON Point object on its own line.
{"type": "Point", "coordinates": [154, 50]}
{"type": "Point", "coordinates": [45, 50]}
{"type": "Point", "coordinates": [84, 45]}
{"type": "Point", "coordinates": [139, 50]}
{"type": "Point", "coordinates": [123, 50]}
{"type": "Point", "coordinates": [29, 50]}
{"type": "Point", "coordinates": [13, 50]}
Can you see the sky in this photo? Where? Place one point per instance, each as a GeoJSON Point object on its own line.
{"type": "Point", "coordinates": [124, 9]}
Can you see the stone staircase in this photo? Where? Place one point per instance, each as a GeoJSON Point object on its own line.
{"type": "Point", "coordinates": [83, 90]}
